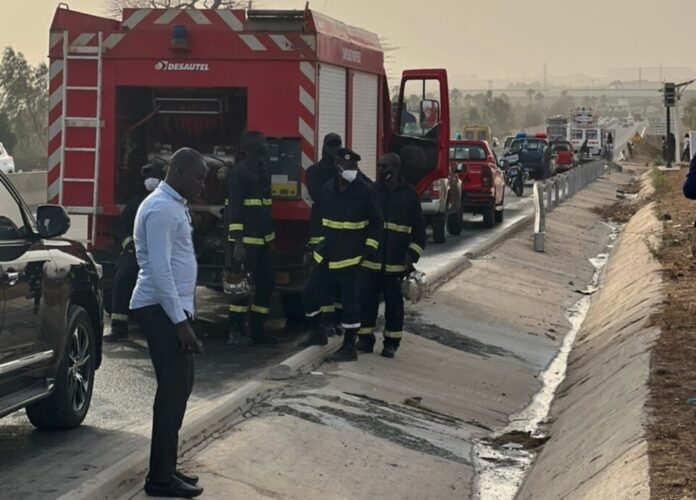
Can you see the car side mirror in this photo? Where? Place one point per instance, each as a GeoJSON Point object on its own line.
{"type": "Point", "coordinates": [460, 168]}
{"type": "Point", "coordinates": [53, 221]}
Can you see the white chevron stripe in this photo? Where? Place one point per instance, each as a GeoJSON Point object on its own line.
{"type": "Point", "coordinates": [307, 132]}
{"type": "Point", "coordinates": [310, 40]}
{"type": "Point", "coordinates": [307, 100]}
{"type": "Point", "coordinates": [282, 42]}
{"type": "Point", "coordinates": [306, 161]}
{"type": "Point", "coordinates": [253, 43]}
{"type": "Point", "coordinates": [55, 68]}
{"type": "Point", "coordinates": [197, 16]}
{"type": "Point", "coordinates": [55, 128]}
{"type": "Point", "coordinates": [135, 18]}
{"type": "Point", "coordinates": [112, 40]}
{"type": "Point", "coordinates": [168, 16]}
{"type": "Point", "coordinates": [54, 38]}
{"type": "Point", "coordinates": [54, 190]}
{"type": "Point", "coordinates": [308, 71]}
{"type": "Point", "coordinates": [231, 20]}
{"type": "Point", "coordinates": [54, 158]}
{"type": "Point", "coordinates": [55, 98]}
{"type": "Point", "coordinates": [305, 194]}
{"type": "Point", "coordinates": [83, 39]}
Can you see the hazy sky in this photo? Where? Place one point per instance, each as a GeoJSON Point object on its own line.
{"type": "Point", "coordinates": [489, 38]}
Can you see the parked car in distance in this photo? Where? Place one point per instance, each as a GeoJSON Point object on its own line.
{"type": "Point", "coordinates": [565, 157]}
{"type": "Point", "coordinates": [7, 165]}
{"type": "Point", "coordinates": [483, 182]}
{"type": "Point", "coordinates": [51, 321]}
{"type": "Point", "coordinates": [508, 142]}
{"type": "Point", "coordinates": [530, 151]}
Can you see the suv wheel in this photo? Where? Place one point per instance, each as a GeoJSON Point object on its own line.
{"type": "Point", "coordinates": [67, 406]}
{"type": "Point", "coordinates": [439, 224]}
{"type": "Point", "coordinates": [455, 223]}
{"type": "Point", "coordinates": [489, 216]}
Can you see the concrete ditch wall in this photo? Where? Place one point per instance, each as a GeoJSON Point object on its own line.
{"type": "Point", "coordinates": [597, 448]}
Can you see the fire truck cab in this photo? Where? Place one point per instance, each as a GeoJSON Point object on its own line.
{"type": "Point", "coordinates": [124, 92]}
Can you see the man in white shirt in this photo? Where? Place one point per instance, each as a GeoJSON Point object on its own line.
{"type": "Point", "coordinates": [164, 305]}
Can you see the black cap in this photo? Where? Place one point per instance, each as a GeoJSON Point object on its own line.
{"type": "Point", "coordinates": [331, 137]}
{"type": "Point", "coordinates": [348, 155]}
{"type": "Point", "coordinates": [155, 170]}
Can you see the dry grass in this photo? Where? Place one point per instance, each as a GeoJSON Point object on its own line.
{"type": "Point", "coordinates": [672, 429]}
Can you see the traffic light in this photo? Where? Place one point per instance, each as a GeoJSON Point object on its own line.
{"type": "Point", "coordinates": [670, 95]}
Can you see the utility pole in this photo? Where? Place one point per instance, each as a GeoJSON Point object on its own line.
{"type": "Point", "coordinates": [670, 97]}
{"type": "Point", "coordinates": [546, 67]}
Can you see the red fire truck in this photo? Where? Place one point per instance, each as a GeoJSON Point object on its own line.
{"type": "Point", "coordinates": [123, 92]}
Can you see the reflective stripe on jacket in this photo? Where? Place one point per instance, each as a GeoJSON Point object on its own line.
{"type": "Point", "coordinates": [352, 225]}
{"type": "Point", "coordinates": [404, 229]}
{"type": "Point", "coordinates": [248, 204]}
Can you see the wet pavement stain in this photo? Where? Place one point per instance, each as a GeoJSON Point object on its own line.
{"type": "Point", "coordinates": [415, 325]}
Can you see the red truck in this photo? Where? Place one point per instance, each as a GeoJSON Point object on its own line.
{"type": "Point", "coordinates": [123, 92]}
{"type": "Point", "coordinates": [483, 183]}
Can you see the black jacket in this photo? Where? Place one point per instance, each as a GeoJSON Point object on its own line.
{"type": "Point", "coordinates": [248, 203]}
{"type": "Point", "coordinates": [404, 229]}
{"type": "Point", "coordinates": [318, 175]}
{"type": "Point", "coordinates": [351, 225]}
{"type": "Point", "coordinates": [126, 222]}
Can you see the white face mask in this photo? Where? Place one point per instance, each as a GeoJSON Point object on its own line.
{"type": "Point", "coordinates": [151, 183]}
{"type": "Point", "coordinates": [349, 175]}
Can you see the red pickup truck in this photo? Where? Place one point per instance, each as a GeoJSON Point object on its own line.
{"type": "Point", "coordinates": [565, 157]}
{"type": "Point", "coordinates": [483, 183]}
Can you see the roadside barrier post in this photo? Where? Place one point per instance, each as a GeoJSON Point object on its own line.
{"type": "Point", "coordinates": [549, 196]}
{"type": "Point", "coordinates": [557, 192]}
{"type": "Point", "coordinates": [539, 219]}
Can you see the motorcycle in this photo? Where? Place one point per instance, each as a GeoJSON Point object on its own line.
{"type": "Point", "coordinates": [515, 175]}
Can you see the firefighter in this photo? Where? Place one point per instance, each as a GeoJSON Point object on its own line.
{"type": "Point", "coordinates": [352, 229]}
{"type": "Point", "coordinates": [401, 246]}
{"type": "Point", "coordinates": [251, 236]}
{"type": "Point", "coordinates": [127, 266]}
{"type": "Point", "coordinates": [317, 175]}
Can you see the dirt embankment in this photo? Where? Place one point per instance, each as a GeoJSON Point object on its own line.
{"type": "Point", "coordinates": [598, 446]}
{"type": "Point", "coordinates": [672, 433]}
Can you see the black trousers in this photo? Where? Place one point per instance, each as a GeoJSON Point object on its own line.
{"type": "Point", "coordinates": [373, 287]}
{"type": "Point", "coordinates": [322, 288]}
{"type": "Point", "coordinates": [259, 262]}
{"type": "Point", "coordinates": [122, 289]}
{"type": "Point", "coordinates": [174, 372]}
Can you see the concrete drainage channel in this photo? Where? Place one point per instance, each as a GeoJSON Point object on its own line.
{"type": "Point", "coordinates": [502, 460]}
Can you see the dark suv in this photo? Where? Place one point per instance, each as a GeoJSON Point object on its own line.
{"type": "Point", "coordinates": [51, 322]}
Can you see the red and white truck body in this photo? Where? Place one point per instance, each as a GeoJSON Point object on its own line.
{"type": "Point", "coordinates": [124, 91]}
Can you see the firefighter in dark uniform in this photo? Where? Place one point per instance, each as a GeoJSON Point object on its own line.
{"type": "Point", "coordinates": [317, 175]}
{"type": "Point", "coordinates": [352, 229]}
{"type": "Point", "coordinates": [251, 236]}
{"type": "Point", "coordinates": [401, 246]}
{"type": "Point", "coordinates": [127, 265]}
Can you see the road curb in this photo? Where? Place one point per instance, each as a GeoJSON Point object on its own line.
{"type": "Point", "coordinates": [202, 423]}
{"type": "Point", "coordinates": [304, 361]}
{"type": "Point", "coordinates": [441, 276]}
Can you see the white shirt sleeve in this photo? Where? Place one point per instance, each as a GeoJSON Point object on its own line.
{"type": "Point", "coordinates": [160, 230]}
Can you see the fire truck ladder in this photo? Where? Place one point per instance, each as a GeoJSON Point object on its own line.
{"type": "Point", "coordinates": [82, 53]}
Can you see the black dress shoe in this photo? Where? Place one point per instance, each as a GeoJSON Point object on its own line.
{"type": "Point", "coordinates": [176, 488]}
{"type": "Point", "coordinates": [187, 478]}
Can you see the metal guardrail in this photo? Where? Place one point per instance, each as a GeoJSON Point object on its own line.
{"type": "Point", "coordinates": [552, 192]}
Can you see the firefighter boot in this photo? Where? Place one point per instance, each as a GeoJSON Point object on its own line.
{"type": "Point", "coordinates": [390, 347]}
{"type": "Point", "coordinates": [238, 334]}
{"type": "Point", "coordinates": [319, 335]}
{"type": "Point", "coordinates": [366, 343]}
{"type": "Point", "coordinates": [348, 351]}
{"type": "Point", "coordinates": [258, 333]}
